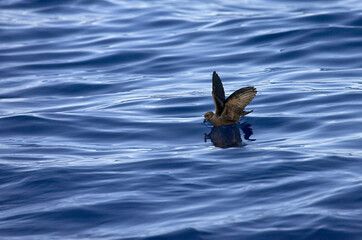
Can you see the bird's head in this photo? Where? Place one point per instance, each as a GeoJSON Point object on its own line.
{"type": "Point", "coordinates": [208, 116]}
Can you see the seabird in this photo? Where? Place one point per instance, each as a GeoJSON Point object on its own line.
{"type": "Point", "coordinates": [228, 111]}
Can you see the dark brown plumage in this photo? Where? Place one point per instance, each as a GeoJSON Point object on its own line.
{"type": "Point", "coordinates": [228, 111]}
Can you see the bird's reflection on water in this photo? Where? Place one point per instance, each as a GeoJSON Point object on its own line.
{"type": "Point", "coordinates": [229, 136]}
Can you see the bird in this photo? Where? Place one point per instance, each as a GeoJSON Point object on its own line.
{"type": "Point", "coordinates": [228, 111]}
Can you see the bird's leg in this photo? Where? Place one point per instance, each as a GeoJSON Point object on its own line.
{"type": "Point", "coordinates": [206, 136]}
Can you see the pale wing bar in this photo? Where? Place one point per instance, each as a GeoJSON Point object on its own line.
{"type": "Point", "coordinates": [235, 104]}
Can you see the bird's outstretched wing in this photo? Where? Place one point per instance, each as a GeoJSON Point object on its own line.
{"type": "Point", "coordinates": [236, 102]}
{"type": "Point", "coordinates": [218, 93]}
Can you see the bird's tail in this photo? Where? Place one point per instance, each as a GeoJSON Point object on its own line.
{"type": "Point", "coordinates": [246, 113]}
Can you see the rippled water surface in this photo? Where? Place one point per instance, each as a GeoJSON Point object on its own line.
{"type": "Point", "coordinates": [101, 120]}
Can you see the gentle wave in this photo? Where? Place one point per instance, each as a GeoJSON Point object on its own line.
{"type": "Point", "coordinates": [101, 109]}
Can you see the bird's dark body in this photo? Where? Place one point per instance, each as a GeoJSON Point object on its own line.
{"type": "Point", "coordinates": [228, 111]}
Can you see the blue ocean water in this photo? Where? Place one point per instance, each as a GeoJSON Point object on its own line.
{"type": "Point", "coordinates": [101, 120]}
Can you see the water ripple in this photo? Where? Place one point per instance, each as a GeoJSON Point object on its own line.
{"type": "Point", "coordinates": [101, 107]}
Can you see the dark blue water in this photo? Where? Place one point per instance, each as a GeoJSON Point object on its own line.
{"type": "Point", "coordinates": [101, 110]}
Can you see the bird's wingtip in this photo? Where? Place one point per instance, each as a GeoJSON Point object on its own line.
{"type": "Point", "coordinates": [253, 89]}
